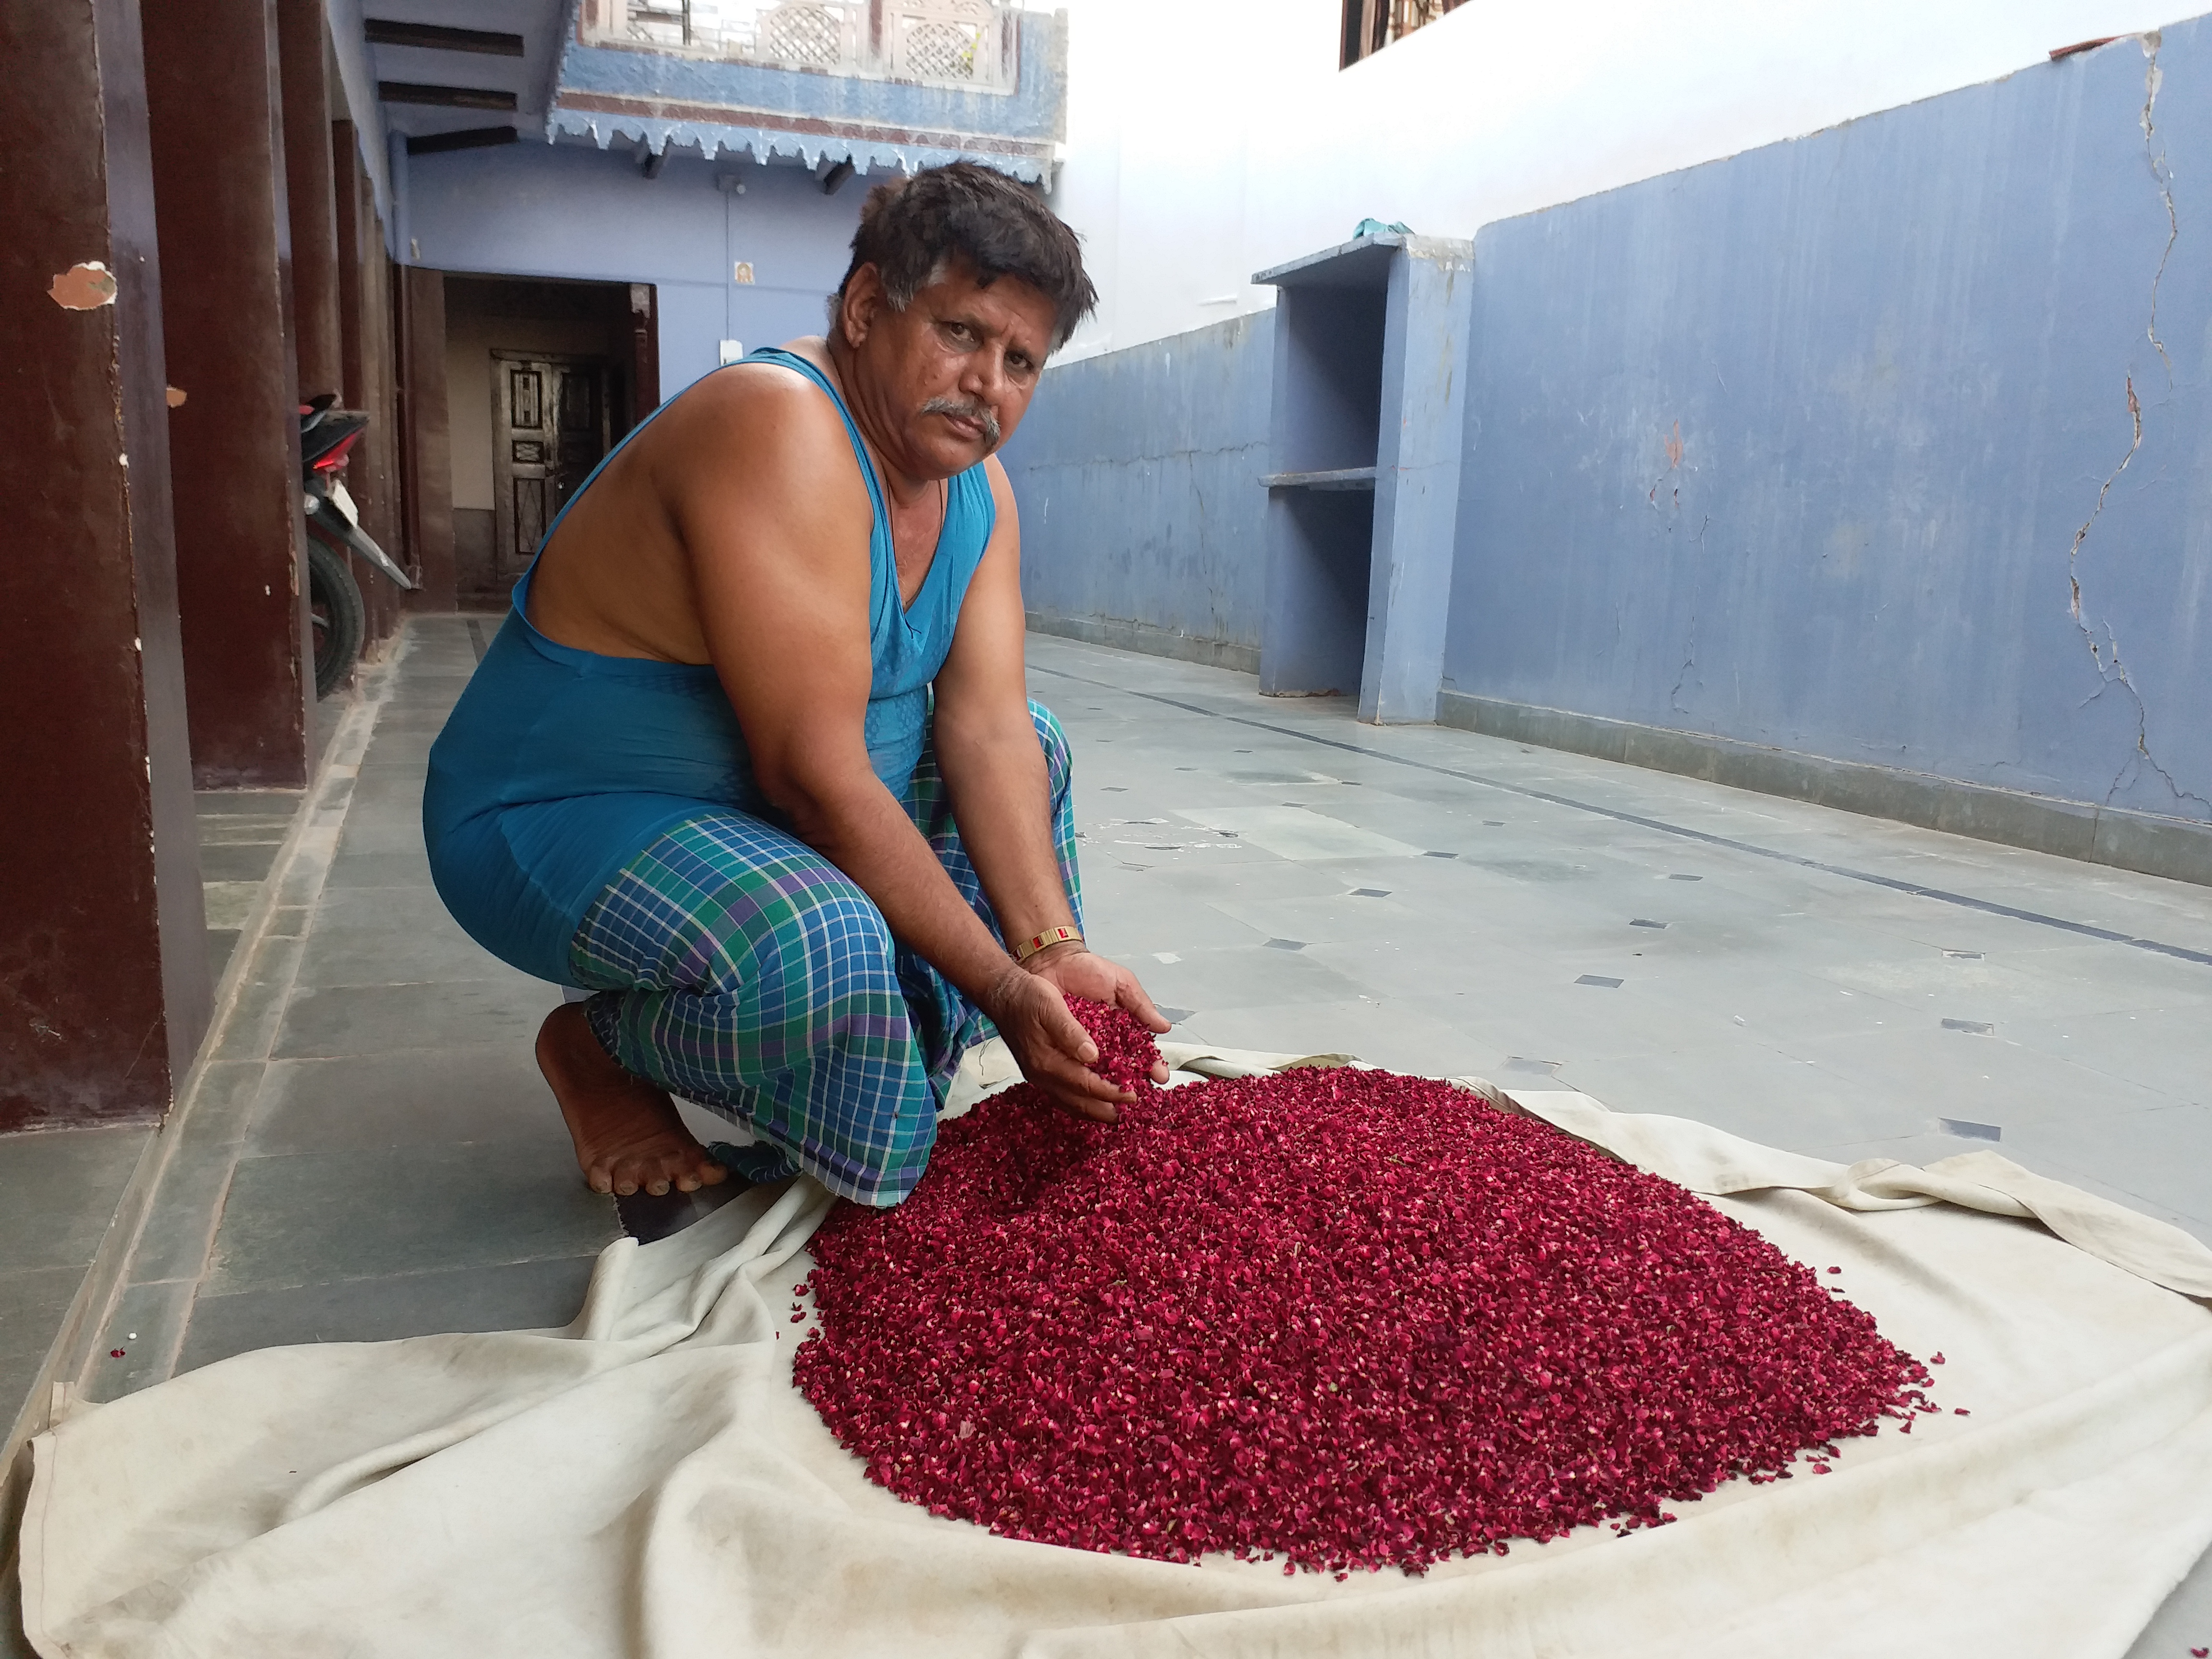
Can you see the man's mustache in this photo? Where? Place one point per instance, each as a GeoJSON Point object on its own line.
{"type": "Point", "coordinates": [980, 413]}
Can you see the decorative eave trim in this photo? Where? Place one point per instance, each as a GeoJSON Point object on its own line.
{"type": "Point", "coordinates": [601, 117]}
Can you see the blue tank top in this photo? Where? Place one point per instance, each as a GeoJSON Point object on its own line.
{"type": "Point", "coordinates": [559, 766]}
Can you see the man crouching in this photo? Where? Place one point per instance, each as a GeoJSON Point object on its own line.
{"type": "Point", "coordinates": [752, 758]}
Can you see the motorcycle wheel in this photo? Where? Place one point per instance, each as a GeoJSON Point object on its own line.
{"type": "Point", "coordinates": [334, 606]}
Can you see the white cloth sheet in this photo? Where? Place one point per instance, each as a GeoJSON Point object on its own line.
{"type": "Point", "coordinates": [647, 1481]}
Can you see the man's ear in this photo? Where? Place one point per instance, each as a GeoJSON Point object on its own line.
{"type": "Point", "coordinates": [863, 299]}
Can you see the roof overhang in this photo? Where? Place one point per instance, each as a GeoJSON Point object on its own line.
{"type": "Point", "coordinates": [713, 130]}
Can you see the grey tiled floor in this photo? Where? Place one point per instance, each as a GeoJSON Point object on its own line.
{"type": "Point", "coordinates": [374, 1154]}
{"type": "Point", "coordinates": [1451, 898]}
{"type": "Point", "coordinates": [240, 831]}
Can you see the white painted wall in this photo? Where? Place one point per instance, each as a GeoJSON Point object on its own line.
{"type": "Point", "coordinates": [1208, 139]}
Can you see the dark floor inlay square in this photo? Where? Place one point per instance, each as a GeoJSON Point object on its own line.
{"type": "Point", "coordinates": [1976, 1027]}
{"type": "Point", "coordinates": [1284, 944]}
{"type": "Point", "coordinates": [1966, 1131]}
{"type": "Point", "coordinates": [1640, 921]}
{"type": "Point", "coordinates": [1605, 980]}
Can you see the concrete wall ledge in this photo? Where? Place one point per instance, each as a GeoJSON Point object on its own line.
{"type": "Point", "coordinates": [2177, 848]}
{"type": "Point", "coordinates": [1151, 641]}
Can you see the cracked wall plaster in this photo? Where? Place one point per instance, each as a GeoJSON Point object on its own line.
{"type": "Point", "coordinates": [1786, 448]}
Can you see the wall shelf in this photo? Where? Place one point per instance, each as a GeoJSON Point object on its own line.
{"type": "Point", "coordinates": [1341, 477]}
{"type": "Point", "coordinates": [1365, 430]}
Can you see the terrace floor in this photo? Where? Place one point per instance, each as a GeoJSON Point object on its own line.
{"type": "Point", "coordinates": [372, 1153]}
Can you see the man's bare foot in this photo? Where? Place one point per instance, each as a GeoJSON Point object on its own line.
{"type": "Point", "coordinates": [627, 1133]}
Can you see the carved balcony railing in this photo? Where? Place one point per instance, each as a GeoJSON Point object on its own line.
{"type": "Point", "coordinates": [971, 44]}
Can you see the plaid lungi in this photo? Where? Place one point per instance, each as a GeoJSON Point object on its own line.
{"type": "Point", "coordinates": [734, 965]}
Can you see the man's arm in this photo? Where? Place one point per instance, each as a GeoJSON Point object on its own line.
{"type": "Point", "coordinates": [764, 493]}
{"type": "Point", "coordinates": [994, 774]}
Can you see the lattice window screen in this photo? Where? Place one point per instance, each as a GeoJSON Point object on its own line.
{"type": "Point", "coordinates": [802, 34]}
{"type": "Point", "coordinates": [968, 43]}
{"type": "Point", "coordinates": [943, 51]}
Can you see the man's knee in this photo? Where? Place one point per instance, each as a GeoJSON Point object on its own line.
{"type": "Point", "coordinates": [792, 936]}
{"type": "Point", "coordinates": [1059, 763]}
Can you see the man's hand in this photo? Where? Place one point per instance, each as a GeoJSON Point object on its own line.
{"type": "Point", "coordinates": [1028, 1006]}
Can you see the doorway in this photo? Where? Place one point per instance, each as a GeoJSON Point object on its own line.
{"type": "Point", "coordinates": [541, 376]}
{"type": "Point", "coordinates": [550, 428]}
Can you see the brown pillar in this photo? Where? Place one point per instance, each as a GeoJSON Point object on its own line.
{"type": "Point", "coordinates": [211, 90]}
{"type": "Point", "coordinates": [303, 56]}
{"type": "Point", "coordinates": [104, 984]}
{"type": "Point", "coordinates": [428, 448]}
{"type": "Point", "coordinates": [396, 536]}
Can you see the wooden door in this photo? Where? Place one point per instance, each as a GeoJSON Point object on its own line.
{"type": "Point", "coordinates": [550, 428]}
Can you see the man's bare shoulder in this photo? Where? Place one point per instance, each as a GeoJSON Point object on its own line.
{"type": "Point", "coordinates": [754, 421]}
{"type": "Point", "coordinates": [1002, 487]}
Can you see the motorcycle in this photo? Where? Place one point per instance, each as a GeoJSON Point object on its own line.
{"type": "Point", "coordinates": [327, 435]}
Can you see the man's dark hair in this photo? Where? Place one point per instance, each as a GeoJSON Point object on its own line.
{"type": "Point", "coordinates": [912, 228]}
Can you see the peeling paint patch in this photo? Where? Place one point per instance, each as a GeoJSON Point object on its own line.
{"type": "Point", "coordinates": [86, 287]}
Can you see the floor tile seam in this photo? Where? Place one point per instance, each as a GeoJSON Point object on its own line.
{"type": "Point", "coordinates": [2181, 1006]}
{"type": "Point", "coordinates": [1890, 883]}
{"type": "Point", "coordinates": [250, 1154]}
{"type": "Point", "coordinates": [408, 984]}
{"type": "Point", "coordinates": [2173, 1102]}
{"type": "Point", "coordinates": [502, 1047]}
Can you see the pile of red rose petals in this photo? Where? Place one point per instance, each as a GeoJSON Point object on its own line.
{"type": "Point", "coordinates": [1345, 1318]}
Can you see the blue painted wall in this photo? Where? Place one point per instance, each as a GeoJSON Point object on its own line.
{"type": "Point", "coordinates": [1137, 477]}
{"type": "Point", "coordinates": [534, 210]}
{"type": "Point", "coordinates": [1799, 447]}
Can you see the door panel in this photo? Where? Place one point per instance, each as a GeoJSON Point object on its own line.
{"type": "Point", "coordinates": [550, 428]}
